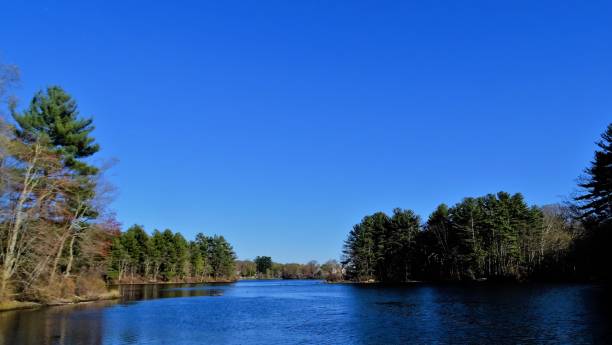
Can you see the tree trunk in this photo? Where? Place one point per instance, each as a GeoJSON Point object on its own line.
{"type": "Point", "coordinates": [70, 256]}
{"type": "Point", "coordinates": [58, 256]}
{"type": "Point", "coordinates": [9, 263]}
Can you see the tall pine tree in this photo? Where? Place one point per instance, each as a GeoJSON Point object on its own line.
{"type": "Point", "coordinates": [54, 114]}
{"type": "Point", "coordinates": [597, 197]}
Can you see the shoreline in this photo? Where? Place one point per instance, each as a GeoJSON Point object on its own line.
{"type": "Point", "coordinates": [24, 305]}
{"type": "Point", "coordinates": [114, 293]}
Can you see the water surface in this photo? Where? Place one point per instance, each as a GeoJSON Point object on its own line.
{"type": "Point", "coordinates": [312, 312]}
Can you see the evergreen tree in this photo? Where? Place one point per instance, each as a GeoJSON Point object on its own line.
{"type": "Point", "coordinates": [495, 236]}
{"type": "Point", "coordinates": [596, 200]}
{"type": "Point", "coordinates": [196, 260]}
{"type": "Point", "coordinates": [359, 252]}
{"type": "Point", "coordinates": [181, 259]}
{"type": "Point", "coordinates": [156, 253]}
{"type": "Point", "coordinates": [400, 245]}
{"type": "Point", "coordinates": [52, 119]}
{"type": "Point", "coordinates": [169, 257]}
{"type": "Point", "coordinates": [439, 256]}
{"type": "Point", "coordinates": [263, 264]}
{"type": "Point", "coordinates": [591, 253]}
{"type": "Point", "coordinates": [54, 114]}
{"type": "Point", "coordinates": [221, 257]}
{"type": "Point", "coordinates": [201, 243]}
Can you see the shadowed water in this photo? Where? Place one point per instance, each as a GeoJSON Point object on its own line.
{"type": "Point", "coordinates": [312, 312]}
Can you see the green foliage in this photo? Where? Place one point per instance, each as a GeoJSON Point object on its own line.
{"type": "Point", "coordinates": [169, 256]}
{"type": "Point", "coordinates": [263, 264]}
{"type": "Point", "coordinates": [48, 190]}
{"type": "Point", "coordinates": [54, 114]}
{"type": "Point", "coordinates": [596, 200]}
{"type": "Point", "coordinates": [592, 254]}
{"type": "Point", "coordinates": [264, 267]}
{"type": "Point", "coordinates": [494, 236]}
{"type": "Point", "coordinates": [221, 257]}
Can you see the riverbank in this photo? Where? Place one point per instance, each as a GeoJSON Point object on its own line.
{"type": "Point", "coordinates": [18, 305]}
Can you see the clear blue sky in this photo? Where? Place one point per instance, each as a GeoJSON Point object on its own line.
{"type": "Point", "coordinates": [279, 124]}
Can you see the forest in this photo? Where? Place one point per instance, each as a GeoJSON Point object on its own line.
{"type": "Point", "coordinates": [492, 237]}
{"type": "Point", "coordinates": [166, 256]}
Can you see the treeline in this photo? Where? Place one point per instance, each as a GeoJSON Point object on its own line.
{"type": "Point", "coordinates": [495, 237]}
{"type": "Point", "coordinates": [167, 256]}
{"type": "Point", "coordinates": [264, 268]}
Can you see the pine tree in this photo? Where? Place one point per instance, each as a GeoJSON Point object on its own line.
{"type": "Point", "coordinates": [596, 200]}
{"type": "Point", "coordinates": [54, 114]}
{"type": "Point", "coordinates": [263, 264]}
{"type": "Point", "coordinates": [52, 119]}
{"type": "Point", "coordinates": [403, 229]}
{"type": "Point", "coordinates": [439, 246]}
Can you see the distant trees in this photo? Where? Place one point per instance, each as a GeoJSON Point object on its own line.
{"type": "Point", "coordinates": [263, 267]}
{"type": "Point", "coordinates": [221, 257]}
{"type": "Point", "coordinates": [246, 268]}
{"type": "Point", "coordinates": [332, 271]}
{"type": "Point", "coordinates": [168, 256]}
{"type": "Point", "coordinates": [493, 236]}
{"type": "Point", "coordinates": [561, 229]}
{"type": "Point", "coordinates": [380, 247]}
{"type": "Point", "coordinates": [263, 264]}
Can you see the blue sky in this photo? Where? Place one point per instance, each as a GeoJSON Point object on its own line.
{"type": "Point", "coordinates": [279, 124]}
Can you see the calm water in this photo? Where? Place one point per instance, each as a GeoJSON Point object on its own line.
{"type": "Point", "coordinates": [312, 312]}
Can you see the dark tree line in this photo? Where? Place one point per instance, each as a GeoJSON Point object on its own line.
{"type": "Point", "coordinates": [168, 256]}
{"type": "Point", "coordinates": [496, 236]}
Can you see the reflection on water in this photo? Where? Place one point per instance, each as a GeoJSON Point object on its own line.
{"type": "Point", "coordinates": [311, 312]}
{"type": "Point", "coordinates": [79, 324]}
{"type": "Point", "coordinates": [146, 292]}
{"type": "Point", "coordinates": [83, 323]}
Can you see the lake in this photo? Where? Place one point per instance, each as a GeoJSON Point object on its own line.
{"type": "Point", "coordinates": [313, 312]}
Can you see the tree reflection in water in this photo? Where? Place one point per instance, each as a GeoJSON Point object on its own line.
{"type": "Point", "coordinates": [84, 323]}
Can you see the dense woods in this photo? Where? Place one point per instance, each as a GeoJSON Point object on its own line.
{"type": "Point", "coordinates": [495, 237]}
{"type": "Point", "coordinates": [168, 256]}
